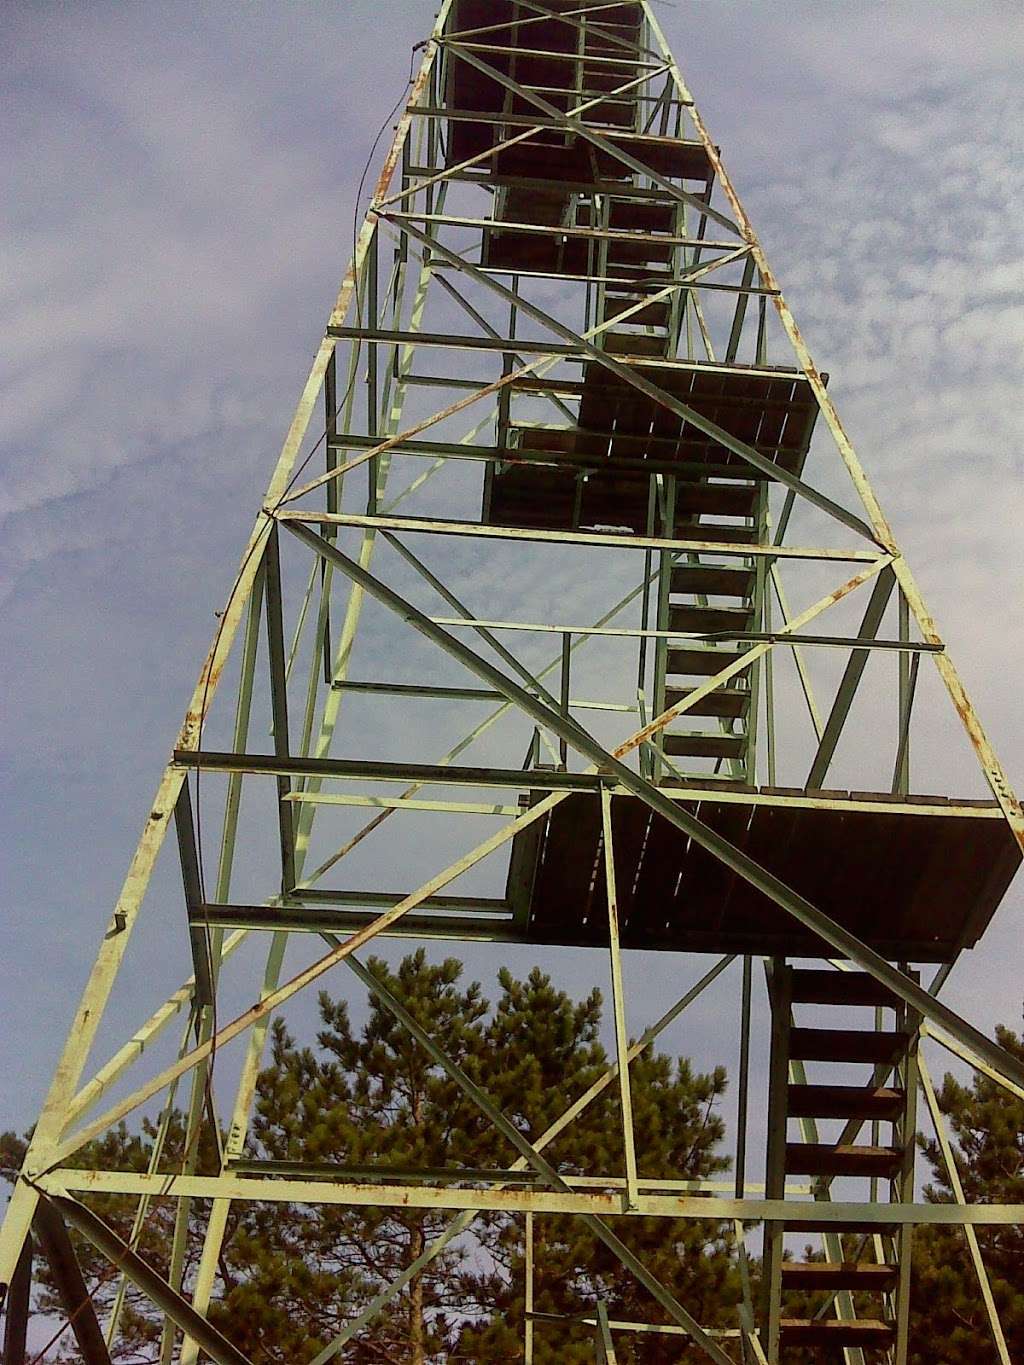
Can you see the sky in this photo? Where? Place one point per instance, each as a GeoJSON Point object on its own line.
{"type": "Point", "coordinates": [180, 193]}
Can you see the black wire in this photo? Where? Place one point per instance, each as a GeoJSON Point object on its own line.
{"type": "Point", "coordinates": [223, 616]}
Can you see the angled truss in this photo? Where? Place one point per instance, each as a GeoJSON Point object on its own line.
{"type": "Point", "coordinates": [573, 121]}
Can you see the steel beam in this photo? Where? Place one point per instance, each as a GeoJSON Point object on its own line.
{"type": "Point", "coordinates": [17, 1308]}
{"type": "Point", "coordinates": [852, 675]}
{"type": "Point", "coordinates": [798, 906]}
{"type": "Point", "coordinates": [76, 1300]}
{"type": "Point", "coordinates": [107, 1242]}
{"type": "Point", "coordinates": [521, 1199]}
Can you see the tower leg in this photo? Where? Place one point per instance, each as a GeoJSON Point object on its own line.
{"type": "Point", "coordinates": [18, 1300]}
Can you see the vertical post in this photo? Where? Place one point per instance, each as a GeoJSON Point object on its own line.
{"type": "Point", "coordinates": [743, 1081]}
{"type": "Point", "coordinates": [279, 705]}
{"type": "Point", "coordinates": [781, 993]}
{"type": "Point", "coordinates": [619, 1005]}
{"type": "Point", "coordinates": [736, 331]}
{"type": "Point", "coordinates": [372, 321]}
{"type": "Point", "coordinates": [908, 665]}
{"type": "Point", "coordinates": [769, 685]}
{"type": "Point", "coordinates": [330, 532]}
{"type": "Point", "coordinates": [679, 227]}
{"type": "Point", "coordinates": [668, 491]}
{"type": "Point", "coordinates": [528, 1293]}
{"type": "Point", "coordinates": [602, 220]}
{"type": "Point", "coordinates": [646, 762]}
{"type": "Point", "coordinates": [908, 1137]}
{"type": "Point", "coordinates": [760, 567]}
{"type": "Point", "coordinates": [508, 364]}
{"type": "Point", "coordinates": [563, 747]}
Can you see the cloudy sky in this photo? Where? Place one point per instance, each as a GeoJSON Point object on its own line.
{"type": "Point", "coordinates": [180, 188]}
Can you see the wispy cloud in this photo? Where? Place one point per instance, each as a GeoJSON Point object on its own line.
{"type": "Point", "coordinates": [179, 211]}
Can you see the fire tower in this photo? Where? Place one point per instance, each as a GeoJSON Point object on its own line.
{"type": "Point", "coordinates": [564, 481]}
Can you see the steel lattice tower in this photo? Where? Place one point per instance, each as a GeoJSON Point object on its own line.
{"type": "Point", "coordinates": [561, 371]}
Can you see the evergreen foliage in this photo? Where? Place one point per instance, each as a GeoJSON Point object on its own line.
{"type": "Point", "coordinates": [291, 1277]}
{"type": "Point", "coordinates": [949, 1317]}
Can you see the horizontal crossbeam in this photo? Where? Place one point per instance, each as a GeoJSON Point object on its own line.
{"type": "Point", "coordinates": [710, 1208]}
{"type": "Point", "coordinates": [607, 539]}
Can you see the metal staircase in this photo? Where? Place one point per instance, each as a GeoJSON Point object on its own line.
{"type": "Point", "coordinates": [857, 1294]}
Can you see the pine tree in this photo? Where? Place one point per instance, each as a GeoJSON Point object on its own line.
{"type": "Point", "coordinates": [949, 1318]}
{"type": "Point", "coordinates": [552, 1053]}
{"type": "Point", "coordinates": [291, 1276]}
{"type": "Point", "coordinates": [359, 1099]}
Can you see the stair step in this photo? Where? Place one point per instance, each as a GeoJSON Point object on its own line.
{"type": "Point", "coordinates": [702, 662]}
{"type": "Point", "coordinates": [866, 1276]}
{"type": "Point", "coordinates": [818, 1158]}
{"type": "Point", "coordinates": [616, 113]}
{"type": "Point", "coordinates": [651, 315]}
{"type": "Point", "coordinates": [546, 207]}
{"type": "Point", "coordinates": [715, 580]}
{"type": "Point", "coordinates": [641, 251]}
{"type": "Point", "coordinates": [604, 79]}
{"type": "Point", "coordinates": [846, 1045]}
{"type": "Point", "coordinates": [860, 1228]}
{"type": "Point", "coordinates": [844, 1102]}
{"type": "Point", "coordinates": [719, 535]}
{"type": "Point", "coordinates": [717, 499]}
{"type": "Point", "coordinates": [634, 343]}
{"type": "Point", "coordinates": [831, 1332]}
{"type": "Point", "coordinates": [724, 701]}
{"type": "Point", "coordinates": [629, 215]}
{"type": "Point", "coordinates": [705, 745]}
{"type": "Point", "coordinates": [702, 619]}
{"type": "Point", "coordinates": [819, 986]}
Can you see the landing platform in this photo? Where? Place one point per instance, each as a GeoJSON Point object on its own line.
{"type": "Point", "coordinates": [773, 410]}
{"type": "Point", "coordinates": [551, 57]}
{"type": "Point", "coordinates": [914, 879]}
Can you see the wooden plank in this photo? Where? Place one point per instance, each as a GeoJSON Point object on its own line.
{"type": "Point", "coordinates": [829, 1332]}
{"type": "Point", "coordinates": [820, 1158]}
{"type": "Point", "coordinates": [844, 1102]}
{"type": "Point", "coordinates": [847, 1045]}
{"type": "Point", "coordinates": [859, 1276]}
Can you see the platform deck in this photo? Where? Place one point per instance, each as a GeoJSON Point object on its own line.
{"type": "Point", "coordinates": [913, 886]}
{"type": "Point", "coordinates": [770, 409]}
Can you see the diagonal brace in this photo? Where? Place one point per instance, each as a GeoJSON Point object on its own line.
{"type": "Point", "coordinates": [852, 675]}
{"type": "Point", "coordinates": [154, 1286]}
{"type": "Point", "coordinates": [540, 1163]}
{"type": "Point", "coordinates": [629, 375]}
{"type": "Point", "coordinates": [74, 1295]}
{"type": "Point", "coordinates": [846, 943]}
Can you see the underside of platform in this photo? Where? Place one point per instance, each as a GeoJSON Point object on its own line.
{"type": "Point", "coordinates": [915, 887]}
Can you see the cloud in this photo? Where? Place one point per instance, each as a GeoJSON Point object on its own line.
{"type": "Point", "coordinates": [181, 213]}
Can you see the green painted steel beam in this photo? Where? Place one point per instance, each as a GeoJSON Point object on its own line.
{"type": "Point", "coordinates": [547, 1202]}
{"type": "Point", "coordinates": [740, 862]}
{"type": "Point", "coordinates": [179, 1310]}
{"type": "Point", "coordinates": [630, 375]}
{"type": "Point", "coordinates": [852, 675]}
{"type": "Point", "coordinates": [590, 539]}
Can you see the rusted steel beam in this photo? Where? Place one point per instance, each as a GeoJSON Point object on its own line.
{"type": "Point", "coordinates": [55, 1244]}
{"type": "Point", "coordinates": [169, 1301]}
